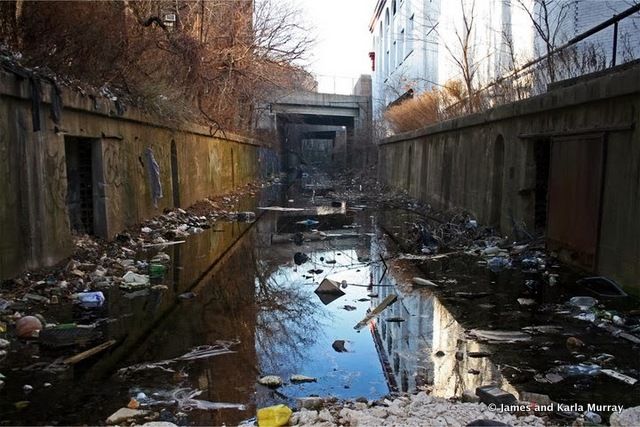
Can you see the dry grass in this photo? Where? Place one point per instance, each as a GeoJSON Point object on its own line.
{"type": "Point", "coordinates": [430, 107]}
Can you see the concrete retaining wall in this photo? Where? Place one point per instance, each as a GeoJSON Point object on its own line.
{"type": "Point", "coordinates": [486, 163]}
{"type": "Point", "coordinates": [34, 217]}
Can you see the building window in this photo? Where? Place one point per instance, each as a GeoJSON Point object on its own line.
{"type": "Point", "coordinates": [394, 57]}
{"type": "Point", "coordinates": [410, 32]}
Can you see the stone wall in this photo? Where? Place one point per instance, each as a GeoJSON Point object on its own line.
{"type": "Point", "coordinates": [35, 226]}
{"type": "Point", "coordinates": [488, 164]}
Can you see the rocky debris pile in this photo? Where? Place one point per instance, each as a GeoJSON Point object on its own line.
{"type": "Point", "coordinates": [133, 262]}
{"type": "Point", "coordinates": [96, 262]}
{"type": "Point", "coordinates": [408, 410]}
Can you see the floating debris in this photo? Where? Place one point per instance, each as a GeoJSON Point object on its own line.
{"type": "Point", "coordinates": [302, 379]}
{"type": "Point", "coordinates": [272, 381]}
{"type": "Point", "coordinates": [201, 352]}
{"type": "Point", "coordinates": [423, 282]}
{"type": "Point", "coordinates": [618, 376]}
{"type": "Point", "coordinates": [339, 346]}
{"type": "Point", "coordinates": [500, 336]}
{"type": "Point", "coordinates": [390, 299]}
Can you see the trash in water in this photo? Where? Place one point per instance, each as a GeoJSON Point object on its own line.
{"type": "Point", "coordinates": [577, 370]}
{"type": "Point", "coordinates": [532, 264]}
{"type": "Point", "coordinates": [36, 298]}
{"type": "Point", "coordinates": [339, 346]}
{"type": "Point", "coordinates": [135, 278]}
{"type": "Point", "coordinates": [28, 327]}
{"type": "Point", "coordinates": [478, 354]}
{"type": "Point", "coordinates": [498, 264]}
{"type": "Point", "coordinates": [390, 299]}
{"type": "Point", "coordinates": [300, 258]}
{"type": "Point", "coordinates": [308, 222]}
{"type": "Point", "coordinates": [280, 209]}
{"type": "Point", "coordinates": [184, 397]}
{"type": "Point", "coordinates": [583, 303]}
{"type": "Point", "coordinates": [423, 282]}
{"type": "Point", "coordinates": [272, 381]}
{"type": "Point", "coordinates": [526, 301]}
{"type": "Point", "coordinates": [328, 286]}
{"type": "Point", "coordinates": [544, 329]}
{"type": "Point", "coordinates": [88, 353]}
{"type": "Point", "coordinates": [472, 295]}
{"type": "Point", "coordinates": [201, 352]}
{"type": "Point", "coordinates": [161, 257]}
{"type": "Point", "coordinates": [602, 287]}
{"type": "Point", "coordinates": [274, 416]}
{"type": "Point", "coordinates": [618, 376]}
{"type": "Point", "coordinates": [91, 299]}
{"type": "Point", "coordinates": [592, 418]}
{"type": "Point", "coordinates": [187, 295]}
{"type": "Point", "coordinates": [491, 394]}
{"type": "Point", "coordinates": [349, 307]}
{"type": "Point", "coordinates": [499, 336]}
{"type": "Point", "coordinates": [574, 344]}
{"type": "Point", "coordinates": [4, 304]}
{"type": "Point", "coordinates": [302, 379]}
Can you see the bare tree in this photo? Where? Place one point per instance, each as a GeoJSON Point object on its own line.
{"type": "Point", "coordinates": [547, 18]}
{"type": "Point", "coordinates": [212, 64]}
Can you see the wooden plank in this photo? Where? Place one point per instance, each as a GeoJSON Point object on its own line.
{"type": "Point", "coordinates": [88, 353]}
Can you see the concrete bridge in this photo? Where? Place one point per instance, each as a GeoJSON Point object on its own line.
{"type": "Point", "coordinates": [327, 130]}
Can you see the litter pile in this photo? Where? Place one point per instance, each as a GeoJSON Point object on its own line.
{"type": "Point", "coordinates": [133, 263]}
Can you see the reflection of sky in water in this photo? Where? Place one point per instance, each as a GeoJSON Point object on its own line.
{"type": "Point", "coordinates": [302, 344]}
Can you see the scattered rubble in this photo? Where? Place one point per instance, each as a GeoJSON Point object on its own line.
{"type": "Point", "coordinates": [407, 410]}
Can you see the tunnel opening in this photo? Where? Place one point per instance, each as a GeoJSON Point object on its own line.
{"type": "Point", "coordinates": [81, 184]}
{"type": "Point", "coordinates": [542, 156]}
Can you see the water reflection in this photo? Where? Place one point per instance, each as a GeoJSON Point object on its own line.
{"type": "Point", "coordinates": [428, 349]}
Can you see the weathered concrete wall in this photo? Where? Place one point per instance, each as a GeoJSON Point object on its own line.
{"type": "Point", "coordinates": [486, 163]}
{"type": "Point", "coordinates": [34, 218]}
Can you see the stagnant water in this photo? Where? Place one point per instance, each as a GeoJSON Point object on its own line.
{"type": "Point", "coordinates": [247, 290]}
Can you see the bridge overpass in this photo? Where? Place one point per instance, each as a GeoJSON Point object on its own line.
{"type": "Point", "coordinates": [336, 126]}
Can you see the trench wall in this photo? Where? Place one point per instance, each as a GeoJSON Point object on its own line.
{"type": "Point", "coordinates": [35, 227]}
{"type": "Point", "coordinates": [486, 163]}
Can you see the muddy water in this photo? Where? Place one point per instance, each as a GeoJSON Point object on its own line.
{"type": "Point", "coordinates": [238, 283]}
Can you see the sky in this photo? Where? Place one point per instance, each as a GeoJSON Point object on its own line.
{"type": "Point", "coordinates": [343, 41]}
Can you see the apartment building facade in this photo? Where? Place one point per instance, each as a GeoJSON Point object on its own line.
{"type": "Point", "coordinates": [422, 44]}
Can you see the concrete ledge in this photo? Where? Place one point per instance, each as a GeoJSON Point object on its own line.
{"type": "Point", "coordinates": [615, 84]}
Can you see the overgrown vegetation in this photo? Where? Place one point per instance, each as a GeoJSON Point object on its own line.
{"type": "Point", "coordinates": [211, 61]}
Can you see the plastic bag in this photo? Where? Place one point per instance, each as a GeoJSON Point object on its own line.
{"type": "Point", "coordinates": [274, 416]}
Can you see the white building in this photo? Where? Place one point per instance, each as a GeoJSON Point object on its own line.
{"type": "Point", "coordinates": [418, 44]}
